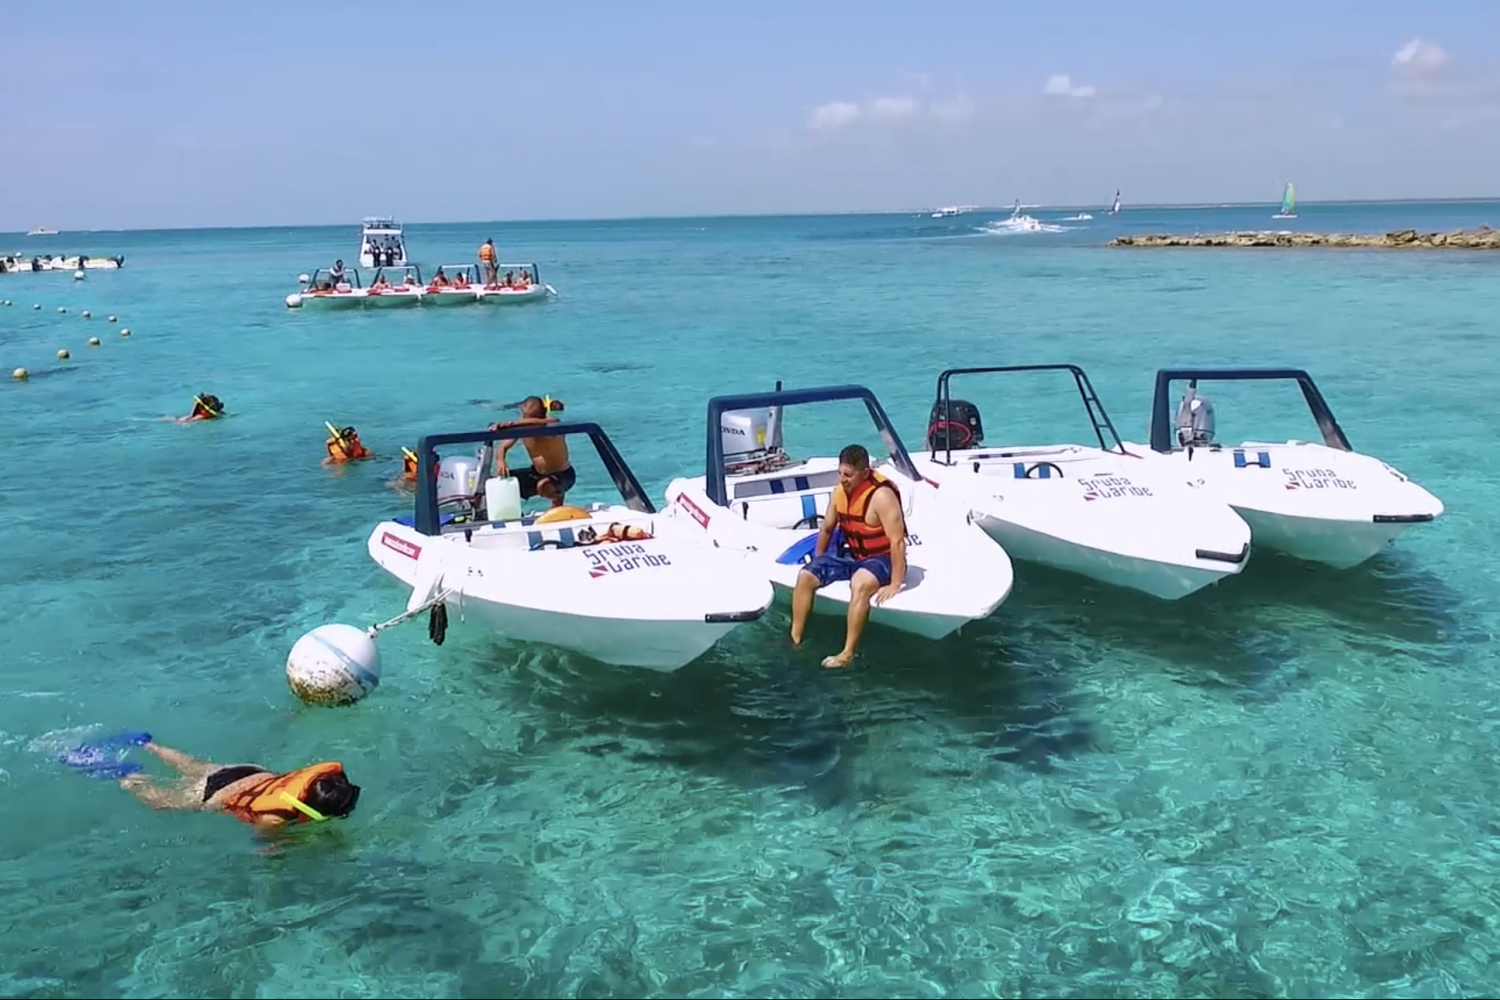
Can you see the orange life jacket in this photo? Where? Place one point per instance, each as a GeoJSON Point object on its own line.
{"type": "Point", "coordinates": [864, 540]}
{"type": "Point", "coordinates": [264, 797]}
{"type": "Point", "coordinates": [342, 451]}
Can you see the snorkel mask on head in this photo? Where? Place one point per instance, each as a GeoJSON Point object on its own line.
{"type": "Point", "coordinates": [208, 404]}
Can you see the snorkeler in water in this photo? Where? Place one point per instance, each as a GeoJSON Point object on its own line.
{"type": "Point", "coordinates": [248, 792]}
{"type": "Point", "coordinates": [344, 446]}
{"type": "Point", "coordinates": [206, 406]}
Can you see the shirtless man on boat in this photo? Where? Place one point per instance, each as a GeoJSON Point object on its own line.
{"type": "Point", "coordinates": [551, 474]}
{"type": "Point", "coordinates": [866, 509]}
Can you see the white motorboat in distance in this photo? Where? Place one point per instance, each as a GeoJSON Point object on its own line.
{"type": "Point", "coordinates": [1091, 509]}
{"type": "Point", "coordinates": [1321, 503]}
{"type": "Point", "coordinates": [322, 290]}
{"type": "Point", "coordinates": [616, 582]}
{"type": "Point", "coordinates": [757, 500]}
{"type": "Point", "coordinates": [453, 284]}
{"type": "Point", "coordinates": [382, 242]}
{"type": "Point", "coordinates": [517, 283]}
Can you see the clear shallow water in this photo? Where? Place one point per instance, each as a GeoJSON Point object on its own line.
{"type": "Point", "coordinates": [1284, 786]}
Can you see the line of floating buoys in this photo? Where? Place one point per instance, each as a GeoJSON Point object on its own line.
{"type": "Point", "coordinates": [22, 374]}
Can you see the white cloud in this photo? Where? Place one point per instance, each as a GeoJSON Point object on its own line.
{"type": "Point", "coordinates": [833, 115]}
{"type": "Point", "coordinates": [956, 110]}
{"type": "Point", "coordinates": [840, 115]}
{"type": "Point", "coordinates": [1419, 58]}
{"type": "Point", "coordinates": [1062, 85]}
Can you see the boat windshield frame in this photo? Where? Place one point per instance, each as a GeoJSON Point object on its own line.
{"type": "Point", "coordinates": [449, 270]}
{"type": "Point", "coordinates": [312, 280]}
{"type": "Point", "coordinates": [427, 519]}
{"type": "Point", "coordinates": [404, 268]}
{"type": "Point", "coordinates": [532, 269]}
{"type": "Point", "coordinates": [714, 475]}
{"type": "Point", "coordinates": [1162, 426]}
{"type": "Point", "coordinates": [1086, 394]}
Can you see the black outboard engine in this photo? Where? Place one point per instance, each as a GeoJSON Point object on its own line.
{"type": "Point", "coordinates": [958, 428]}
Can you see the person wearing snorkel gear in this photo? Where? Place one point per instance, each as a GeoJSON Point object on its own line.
{"type": "Point", "coordinates": [344, 445]}
{"type": "Point", "coordinates": [206, 406]}
{"type": "Point", "coordinates": [551, 474]}
{"type": "Point", "coordinates": [408, 474]}
{"type": "Point", "coordinates": [248, 792]}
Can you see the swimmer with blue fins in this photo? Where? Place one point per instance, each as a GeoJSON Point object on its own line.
{"type": "Point", "coordinates": [248, 792]}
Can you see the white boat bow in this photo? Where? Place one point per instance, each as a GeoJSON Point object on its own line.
{"type": "Point", "coordinates": [616, 582]}
{"type": "Point", "coordinates": [1320, 502]}
{"type": "Point", "coordinates": [755, 501]}
{"type": "Point", "coordinates": [1095, 510]}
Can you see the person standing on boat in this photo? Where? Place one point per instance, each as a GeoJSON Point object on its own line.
{"type": "Point", "coordinates": [487, 261]}
{"type": "Point", "coordinates": [551, 474]}
{"type": "Point", "coordinates": [866, 510]}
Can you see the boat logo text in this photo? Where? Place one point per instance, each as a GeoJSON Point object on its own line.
{"type": "Point", "coordinates": [1316, 479]}
{"type": "Point", "coordinates": [1104, 487]}
{"type": "Point", "coordinates": [622, 559]}
{"type": "Point", "coordinates": [400, 545]}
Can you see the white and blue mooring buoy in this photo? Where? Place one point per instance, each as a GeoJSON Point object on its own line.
{"type": "Point", "coordinates": [333, 665]}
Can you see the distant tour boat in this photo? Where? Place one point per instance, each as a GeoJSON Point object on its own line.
{"type": "Point", "coordinates": [383, 236]}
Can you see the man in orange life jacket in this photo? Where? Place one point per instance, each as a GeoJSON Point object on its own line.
{"type": "Point", "coordinates": [866, 508]}
{"type": "Point", "coordinates": [249, 792]}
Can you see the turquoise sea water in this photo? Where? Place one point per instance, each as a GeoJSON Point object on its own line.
{"type": "Point", "coordinates": [1283, 786]}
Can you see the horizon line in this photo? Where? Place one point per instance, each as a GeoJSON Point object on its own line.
{"type": "Point", "coordinates": [1473, 199]}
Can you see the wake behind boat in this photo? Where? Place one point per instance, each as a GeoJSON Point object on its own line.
{"type": "Point", "coordinates": [616, 582]}
{"type": "Point", "coordinates": [756, 500]}
{"type": "Point", "coordinates": [1318, 502]}
{"type": "Point", "coordinates": [1093, 510]}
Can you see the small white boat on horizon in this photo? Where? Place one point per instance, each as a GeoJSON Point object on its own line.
{"type": "Point", "coordinates": [1097, 511]}
{"type": "Point", "coordinates": [43, 231]}
{"type": "Point", "coordinates": [620, 583]}
{"type": "Point", "coordinates": [382, 242]}
{"type": "Point", "coordinates": [756, 500]}
{"type": "Point", "coordinates": [1322, 503]}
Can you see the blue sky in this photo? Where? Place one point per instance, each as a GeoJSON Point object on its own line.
{"type": "Point", "coordinates": [174, 114]}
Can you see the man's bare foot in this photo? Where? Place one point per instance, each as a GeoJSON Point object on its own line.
{"type": "Point", "coordinates": [132, 780]}
{"type": "Point", "coordinates": [841, 660]}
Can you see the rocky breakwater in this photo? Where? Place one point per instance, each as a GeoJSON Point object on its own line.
{"type": "Point", "coordinates": [1483, 238]}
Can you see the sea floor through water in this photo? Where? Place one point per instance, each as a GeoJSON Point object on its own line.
{"type": "Point", "coordinates": [1282, 786]}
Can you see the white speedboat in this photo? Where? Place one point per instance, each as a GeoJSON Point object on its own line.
{"type": "Point", "coordinates": [382, 243]}
{"type": "Point", "coordinates": [756, 500]}
{"type": "Point", "coordinates": [453, 285]}
{"type": "Point", "coordinates": [1095, 510]}
{"type": "Point", "coordinates": [617, 582]}
{"type": "Point", "coordinates": [396, 286]}
{"type": "Point", "coordinates": [517, 283]}
{"type": "Point", "coordinates": [1322, 503]}
{"type": "Point", "coordinates": [323, 290]}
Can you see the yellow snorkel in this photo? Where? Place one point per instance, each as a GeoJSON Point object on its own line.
{"type": "Point", "coordinates": [303, 807]}
{"type": "Point", "coordinates": [409, 454]}
{"type": "Point", "coordinates": [198, 401]}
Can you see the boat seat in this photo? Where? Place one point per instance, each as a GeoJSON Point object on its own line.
{"type": "Point", "coordinates": [815, 489]}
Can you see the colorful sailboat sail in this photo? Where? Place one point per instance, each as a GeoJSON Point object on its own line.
{"type": "Point", "coordinates": [1288, 203]}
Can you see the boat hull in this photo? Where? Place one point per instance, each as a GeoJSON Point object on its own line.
{"type": "Point", "coordinates": [449, 297]}
{"type": "Point", "coordinates": [1096, 513]}
{"type": "Point", "coordinates": [332, 300]}
{"type": "Point", "coordinates": [955, 573]}
{"type": "Point", "coordinates": [658, 604]}
{"type": "Point", "coordinates": [1306, 500]}
{"type": "Point", "coordinates": [393, 299]}
{"type": "Point", "coordinates": [515, 296]}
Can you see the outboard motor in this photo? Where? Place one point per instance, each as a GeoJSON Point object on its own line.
{"type": "Point", "coordinates": [1195, 419]}
{"type": "Point", "coordinates": [958, 428]}
{"type": "Point", "coordinates": [745, 436]}
{"type": "Point", "coordinates": [458, 480]}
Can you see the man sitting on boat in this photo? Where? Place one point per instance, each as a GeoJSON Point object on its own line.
{"type": "Point", "coordinates": [865, 509]}
{"type": "Point", "coordinates": [439, 279]}
{"type": "Point", "coordinates": [551, 474]}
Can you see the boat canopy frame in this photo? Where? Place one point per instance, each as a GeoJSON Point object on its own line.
{"type": "Point", "coordinates": [1162, 425]}
{"type": "Point", "coordinates": [714, 475]}
{"type": "Point", "coordinates": [427, 519]}
{"type": "Point", "coordinates": [1098, 416]}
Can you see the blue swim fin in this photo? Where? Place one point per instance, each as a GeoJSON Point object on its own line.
{"type": "Point", "coordinates": [105, 758]}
